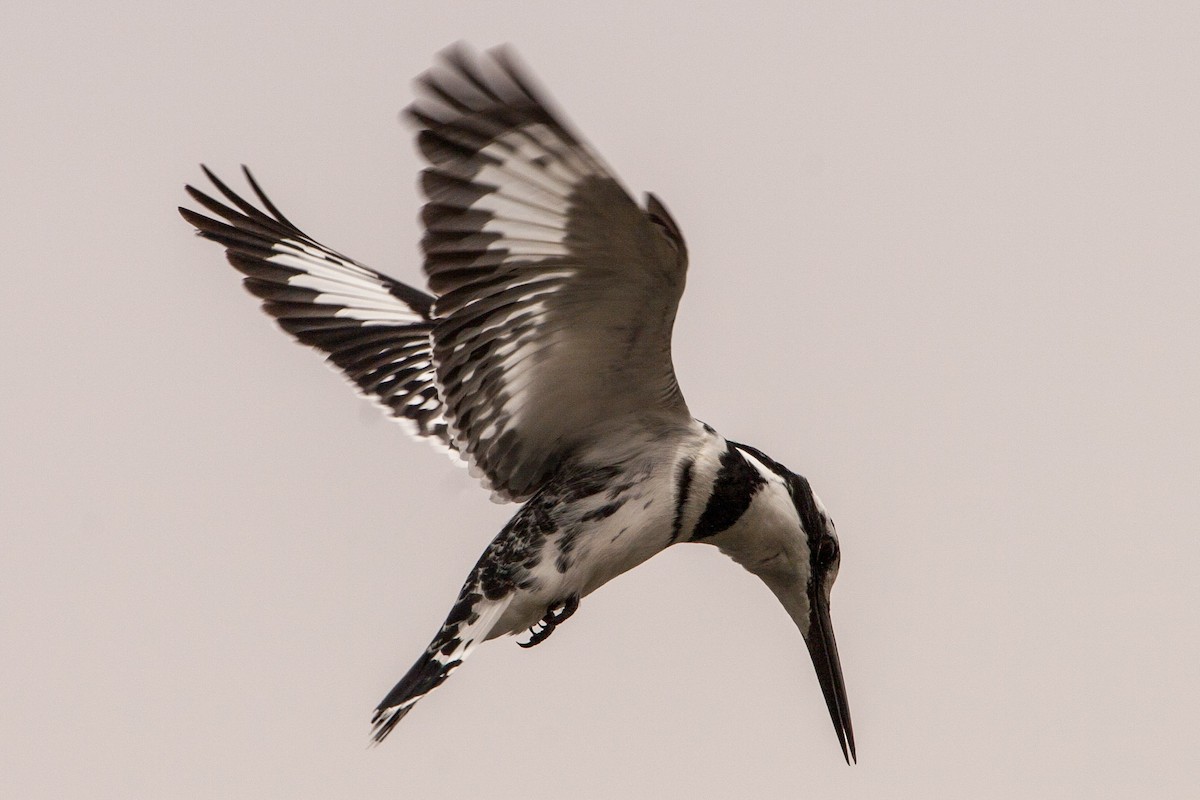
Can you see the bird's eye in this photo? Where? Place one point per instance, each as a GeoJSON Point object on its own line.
{"type": "Point", "coordinates": [827, 552]}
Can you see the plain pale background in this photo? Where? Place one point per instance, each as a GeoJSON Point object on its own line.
{"type": "Point", "coordinates": [945, 262]}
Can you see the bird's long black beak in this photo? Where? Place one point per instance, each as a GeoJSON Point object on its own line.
{"type": "Point", "coordinates": [823, 649]}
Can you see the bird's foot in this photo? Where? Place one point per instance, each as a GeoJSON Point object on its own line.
{"type": "Point", "coordinates": [552, 619]}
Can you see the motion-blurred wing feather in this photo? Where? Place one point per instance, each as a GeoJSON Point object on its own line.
{"type": "Point", "coordinates": [556, 293]}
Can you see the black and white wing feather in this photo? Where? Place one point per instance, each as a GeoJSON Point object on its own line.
{"type": "Point", "coordinates": [556, 293]}
{"type": "Point", "coordinates": [374, 329]}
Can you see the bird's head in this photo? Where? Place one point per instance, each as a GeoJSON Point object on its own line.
{"type": "Point", "coordinates": [800, 566]}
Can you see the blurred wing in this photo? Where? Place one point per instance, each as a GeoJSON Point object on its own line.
{"type": "Point", "coordinates": [372, 328]}
{"type": "Point", "coordinates": [556, 292]}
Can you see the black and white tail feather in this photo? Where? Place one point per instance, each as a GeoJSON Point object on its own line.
{"type": "Point", "coordinates": [469, 623]}
{"type": "Point", "coordinates": [542, 360]}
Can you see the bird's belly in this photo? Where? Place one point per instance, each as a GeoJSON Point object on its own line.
{"type": "Point", "coordinates": [619, 546]}
{"type": "Point", "coordinates": [583, 555]}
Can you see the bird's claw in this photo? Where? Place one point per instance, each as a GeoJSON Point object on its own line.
{"type": "Point", "coordinates": [552, 619]}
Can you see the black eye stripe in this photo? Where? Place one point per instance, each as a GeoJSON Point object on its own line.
{"type": "Point", "coordinates": [827, 552]}
{"type": "Point", "coordinates": [822, 548]}
{"type": "Point", "coordinates": [806, 508]}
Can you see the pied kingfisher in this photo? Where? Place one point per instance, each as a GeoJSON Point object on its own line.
{"type": "Point", "coordinates": [541, 359]}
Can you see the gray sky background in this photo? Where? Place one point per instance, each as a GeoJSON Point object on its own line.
{"type": "Point", "coordinates": [945, 263]}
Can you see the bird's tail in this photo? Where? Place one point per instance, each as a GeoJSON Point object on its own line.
{"type": "Point", "coordinates": [468, 624]}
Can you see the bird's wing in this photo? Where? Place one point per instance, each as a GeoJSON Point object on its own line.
{"type": "Point", "coordinates": [556, 293]}
{"type": "Point", "coordinates": [372, 328]}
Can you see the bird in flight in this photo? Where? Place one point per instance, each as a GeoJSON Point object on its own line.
{"type": "Point", "coordinates": [541, 358]}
